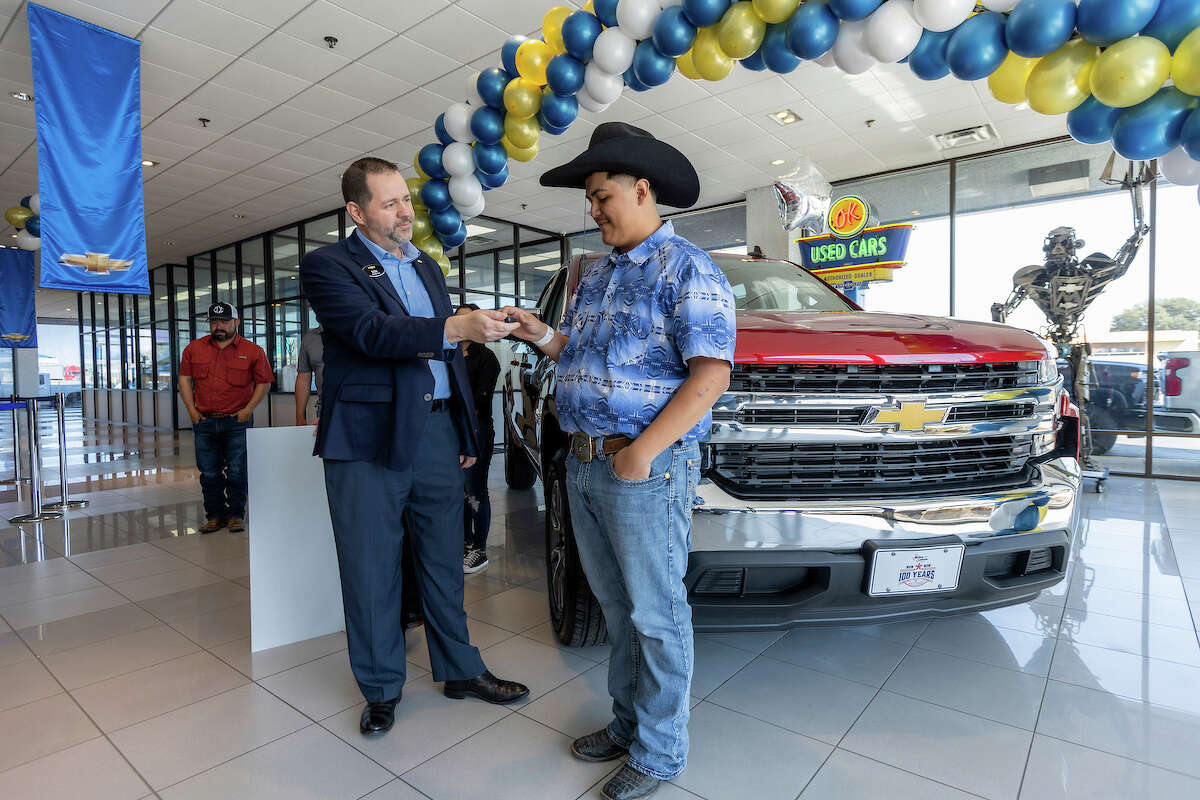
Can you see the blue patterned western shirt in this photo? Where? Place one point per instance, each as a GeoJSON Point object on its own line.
{"type": "Point", "coordinates": [635, 320]}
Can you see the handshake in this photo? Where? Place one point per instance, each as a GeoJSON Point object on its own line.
{"type": "Point", "coordinates": [486, 325]}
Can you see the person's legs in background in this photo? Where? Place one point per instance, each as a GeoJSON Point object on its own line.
{"type": "Point", "coordinates": [235, 473]}
{"type": "Point", "coordinates": [477, 513]}
{"type": "Point", "coordinates": [410, 600]}
{"type": "Point", "coordinates": [211, 465]}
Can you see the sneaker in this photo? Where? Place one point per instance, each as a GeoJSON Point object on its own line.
{"type": "Point", "coordinates": [212, 526]}
{"type": "Point", "coordinates": [474, 561]}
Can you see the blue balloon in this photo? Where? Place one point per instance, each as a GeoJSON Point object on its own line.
{"type": "Point", "coordinates": [1189, 138]}
{"type": "Point", "coordinates": [928, 58]}
{"type": "Point", "coordinates": [1155, 127]}
{"type": "Point", "coordinates": [559, 111]}
{"type": "Point", "coordinates": [650, 66]}
{"type": "Point", "coordinates": [606, 10]}
{"type": "Point", "coordinates": [812, 30]}
{"type": "Point", "coordinates": [490, 85]}
{"type": "Point", "coordinates": [26, 200]}
{"type": "Point", "coordinates": [1092, 122]}
{"type": "Point", "coordinates": [631, 80]}
{"type": "Point", "coordinates": [1173, 21]}
{"type": "Point", "coordinates": [703, 13]}
{"type": "Point", "coordinates": [1037, 28]}
{"type": "Point", "coordinates": [579, 32]}
{"type": "Point", "coordinates": [754, 61]}
{"type": "Point", "coordinates": [673, 32]}
{"type": "Point", "coordinates": [548, 128]}
{"type": "Point", "coordinates": [487, 124]}
{"type": "Point", "coordinates": [439, 130]}
{"type": "Point", "coordinates": [976, 48]}
{"type": "Point", "coordinates": [490, 158]}
{"type": "Point", "coordinates": [455, 239]}
{"type": "Point", "coordinates": [564, 74]}
{"type": "Point", "coordinates": [508, 53]}
{"type": "Point", "coordinates": [494, 181]}
{"type": "Point", "coordinates": [34, 225]}
{"type": "Point", "coordinates": [853, 10]}
{"type": "Point", "coordinates": [435, 194]}
{"type": "Point", "coordinates": [445, 221]}
{"type": "Point", "coordinates": [430, 159]}
{"type": "Point", "coordinates": [1106, 22]}
{"type": "Point", "coordinates": [774, 51]}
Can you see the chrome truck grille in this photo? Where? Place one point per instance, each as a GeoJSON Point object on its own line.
{"type": "Point", "coordinates": [881, 378]}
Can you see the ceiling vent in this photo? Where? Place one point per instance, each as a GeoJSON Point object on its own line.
{"type": "Point", "coordinates": [1070, 177]}
{"type": "Point", "coordinates": [965, 137]}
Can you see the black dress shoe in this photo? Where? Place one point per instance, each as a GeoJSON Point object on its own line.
{"type": "Point", "coordinates": [629, 784]}
{"type": "Point", "coordinates": [597, 747]}
{"type": "Point", "coordinates": [377, 718]}
{"type": "Point", "coordinates": [486, 687]}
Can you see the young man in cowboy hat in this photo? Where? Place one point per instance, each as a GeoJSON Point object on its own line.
{"type": "Point", "coordinates": [644, 351]}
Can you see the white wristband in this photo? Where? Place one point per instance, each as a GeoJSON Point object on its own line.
{"type": "Point", "coordinates": [546, 338]}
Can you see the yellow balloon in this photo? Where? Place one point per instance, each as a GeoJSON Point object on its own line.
{"type": "Point", "coordinates": [519, 153]}
{"type": "Point", "coordinates": [522, 97]}
{"type": "Point", "coordinates": [590, 7]}
{"type": "Point", "coordinates": [444, 263]}
{"type": "Point", "coordinates": [1008, 82]}
{"type": "Point", "coordinates": [1130, 71]}
{"type": "Point", "coordinates": [422, 228]}
{"type": "Point", "coordinates": [522, 131]}
{"type": "Point", "coordinates": [430, 245]}
{"type": "Point", "coordinates": [740, 32]}
{"type": "Point", "coordinates": [1185, 67]}
{"type": "Point", "coordinates": [414, 187]}
{"type": "Point", "coordinates": [1061, 81]}
{"type": "Point", "coordinates": [417, 167]}
{"type": "Point", "coordinates": [552, 28]}
{"type": "Point", "coordinates": [774, 11]}
{"type": "Point", "coordinates": [687, 67]}
{"type": "Point", "coordinates": [710, 60]}
{"type": "Point", "coordinates": [17, 216]}
{"type": "Point", "coordinates": [532, 57]}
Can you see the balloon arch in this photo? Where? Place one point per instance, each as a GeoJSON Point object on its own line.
{"type": "Point", "coordinates": [1125, 71]}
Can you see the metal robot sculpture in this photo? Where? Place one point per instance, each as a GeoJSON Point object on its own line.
{"type": "Point", "coordinates": [1064, 286]}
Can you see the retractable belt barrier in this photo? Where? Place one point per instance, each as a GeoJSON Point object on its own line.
{"type": "Point", "coordinates": [11, 406]}
{"type": "Point", "coordinates": [39, 512]}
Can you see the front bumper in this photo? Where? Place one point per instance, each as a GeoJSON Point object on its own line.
{"type": "Point", "coordinates": [760, 565]}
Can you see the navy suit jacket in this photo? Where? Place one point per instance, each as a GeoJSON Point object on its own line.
{"type": "Point", "coordinates": [377, 389]}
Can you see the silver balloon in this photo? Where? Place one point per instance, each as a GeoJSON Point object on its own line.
{"type": "Point", "coordinates": [803, 196]}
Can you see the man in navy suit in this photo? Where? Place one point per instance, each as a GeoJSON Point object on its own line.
{"type": "Point", "coordinates": [396, 431]}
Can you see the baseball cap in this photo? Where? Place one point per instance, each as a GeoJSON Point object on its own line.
{"type": "Point", "coordinates": [222, 311]}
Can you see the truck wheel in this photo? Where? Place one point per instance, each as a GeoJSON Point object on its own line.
{"type": "Point", "coordinates": [1102, 442]}
{"type": "Point", "coordinates": [575, 614]}
{"type": "Point", "coordinates": [518, 470]}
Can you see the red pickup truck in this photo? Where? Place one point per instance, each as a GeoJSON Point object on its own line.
{"type": "Point", "coordinates": [862, 467]}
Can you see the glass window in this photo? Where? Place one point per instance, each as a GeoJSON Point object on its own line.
{"type": "Point", "coordinates": [254, 326]}
{"type": "Point", "coordinates": [183, 337]}
{"type": "Point", "coordinates": [538, 263]}
{"type": "Point", "coordinates": [285, 262]}
{"type": "Point", "coordinates": [715, 229]}
{"type": "Point", "coordinates": [287, 343]}
{"type": "Point", "coordinates": [480, 272]}
{"type": "Point", "coordinates": [89, 360]}
{"type": "Point", "coordinates": [482, 300]}
{"type": "Point", "coordinates": [162, 299]}
{"type": "Point", "coordinates": [254, 278]}
{"type": "Point", "coordinates": [183, 311]}
{"type": "Point", "coordinates": [226, 265]}
{"type": "Point", "coordinates": [485, 233]}
{"type": "Point", "coordinates": [162, 358]}
{"type": "Point", "coordinates": [777, 286]}
{"type": "Point", "coordinates": [202, 280]}
{"type": "Point", "coordinates": [320, 232]}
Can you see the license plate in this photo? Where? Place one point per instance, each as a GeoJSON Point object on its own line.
{"type": "Point", "coordinates": [915, 570]}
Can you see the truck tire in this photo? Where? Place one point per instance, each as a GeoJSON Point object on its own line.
{"type": "Point", "coordinates": [518, 469]}
{"type": "Point", "coordinates": [575, 614]}
{"type": "Point", "coordinates": [1102, 420]}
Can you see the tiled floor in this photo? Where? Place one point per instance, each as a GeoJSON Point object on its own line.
{"type": "Point", "coordinates": [125, 672]}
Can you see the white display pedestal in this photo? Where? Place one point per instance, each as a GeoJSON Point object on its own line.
{"type": "Point", "coordinates": [295, 591]}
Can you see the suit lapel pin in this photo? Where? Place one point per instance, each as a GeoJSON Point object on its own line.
{"type": "Point", "coordinates": [373, 270]}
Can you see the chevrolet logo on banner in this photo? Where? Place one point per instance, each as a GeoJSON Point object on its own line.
{"type": "Point", "coordinates": [910, 416]}
{"type": "Point", "coordinates": [98, 263]}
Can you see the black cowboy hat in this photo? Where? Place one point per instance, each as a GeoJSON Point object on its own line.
{"type": "Point", "coordinates": [620, 148]}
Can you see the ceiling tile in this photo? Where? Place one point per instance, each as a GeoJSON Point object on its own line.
{"type": "Point", "coordinates": [356, 138]}
{"type": "Point", "coordinates": [458, 34]}
{"type": "Point", "coordinates": [365, 83]}
{"type": "Point", "coordinates": [325, 151]}
{"type": "Point", "coordinates": [512, 16]}
{"type": "Point", "coordinates": [297, 121]}
{"type": "Point", "coordinates": [227, 102]}
{"type": "Point", "coordinates": [294, 57]}
{"type": "Point", "coordinates": [200, 22]}
{"type": "Point", "coordinates": [271, 13]}
{"type": "Point", "coordinates": [390, 14]}
{"type": "Point", "coordinates": [243, 148]}
{"type": "Point", "coordinates": [409, 60]}
{"type": "Point", "coordinates": [355, 35]}
{"type": "Point", "coordinates": [171, 51]}
{"type": "Point", "coordinates": [329, 104]}
{"type": "Point", "coordinates": [388, 122]}
{"type": "Point", "coordinates": [260, 81]}
{"type": "Point", "coordinates": [168, 82]}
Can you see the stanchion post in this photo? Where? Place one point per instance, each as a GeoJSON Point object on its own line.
{"type": "Point", "coordinates": [36, 513]}
{"type": "Point", "coordinates": [17, 478]}
{"type": "Point", "coordinates": [64, 501]}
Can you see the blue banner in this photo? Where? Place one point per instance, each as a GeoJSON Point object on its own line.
{"type": "Point", "coordinates": [18, 319]}
{"type": "Point", "coordinates": [89, 132]}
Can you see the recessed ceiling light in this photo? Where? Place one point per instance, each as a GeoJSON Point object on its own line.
{"type": "Point", "coordinates": [778, 162]}
{"type": "Point", "coordinates": [785, 116]}
{"type": "Point", "coordinates": [17, 94]}
{"type": "Point", "coordinates": [239, 216]}
{"type": "Point", "coordinates": [169, 242]}
{"type": "Point", "coordinates": [148, 163]}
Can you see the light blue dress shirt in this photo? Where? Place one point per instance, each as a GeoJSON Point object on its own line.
{"type": "Point", "coordinates": [407, 283]}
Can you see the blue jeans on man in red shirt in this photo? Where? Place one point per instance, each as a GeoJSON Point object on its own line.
{"type": "Point", "coordinates": [221, 459]}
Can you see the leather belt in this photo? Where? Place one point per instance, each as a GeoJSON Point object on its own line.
{"type": "Point", "coordinates": [440, 405]}
{"type": "Point", "coordinates": [587, 448]}
{"type": "Point", "coordinates": [216, 415]}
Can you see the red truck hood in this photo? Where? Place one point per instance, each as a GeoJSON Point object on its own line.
{"type": "Point", "coordinates": [864, 337]}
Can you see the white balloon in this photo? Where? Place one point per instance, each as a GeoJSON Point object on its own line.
{"type": "Point", "coordinates": [587, 102]}
{"type": "Point", "coordinates": [892, 31]}
{"type": "Point", "coordinates": [457, 159]}
{"type": "Point", "coordinates": [942, 15]}
{"type": "Point", "coordinates": [1179, 168]}
{"type": "Point", "coordinates": [663, 5]}
{"type": "Point", "coordinates": [603, 87]}
{"type": "Point", "coordinates": [465, 190]}
{"type": "Point", "coordinates": [466, 212]}
{"type": "Point", "coordinates": [458, 122]}
{"type": "Point", "coordinates": [613, 51]}
{"type": "Point", "coordinates": [850, 49]}
{"type": "Point", "coordinates": [1003, 6]}
{"type": "Point", "coordinates": [473, 97]}
{"type": "Point", "coordinates": [27, 241]}
{"type": "Point", "coordinates": [35, 203]}
{"type": "Point", "coordinates": [636, 17]}
{"type": "Point", "coordinates": [826, 59]}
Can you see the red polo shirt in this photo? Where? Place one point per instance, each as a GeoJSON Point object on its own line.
{"type": "Point", "coordinates": [224, 378]}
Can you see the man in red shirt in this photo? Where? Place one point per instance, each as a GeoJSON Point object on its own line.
{"type": "Point", "coordinates": [222, 377]}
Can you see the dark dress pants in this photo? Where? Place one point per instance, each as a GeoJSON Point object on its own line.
{"type": "Point", "coordinates": [366, 505]}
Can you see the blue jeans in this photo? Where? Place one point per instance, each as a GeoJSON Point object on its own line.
{"type": "Point", "coordinates": [477, 516]}
{"type": "Point", "coordinates": [221, 459]}
{"type": "Point", "coordinates": [633, 539]}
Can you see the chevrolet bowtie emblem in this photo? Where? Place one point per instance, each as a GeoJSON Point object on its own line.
{"type": "Point", "coordinates": [910, 416]}
{"type": "Point", "coordinates": [98, 263]}
{"type": "Point", "coordinates": [15, 337]}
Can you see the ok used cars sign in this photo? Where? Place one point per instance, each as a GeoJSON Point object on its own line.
{"type": "Point", "coordinates": [852, 246]}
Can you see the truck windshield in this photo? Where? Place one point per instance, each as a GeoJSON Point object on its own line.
{"type": "Point", "coordinates": [760, 285]}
